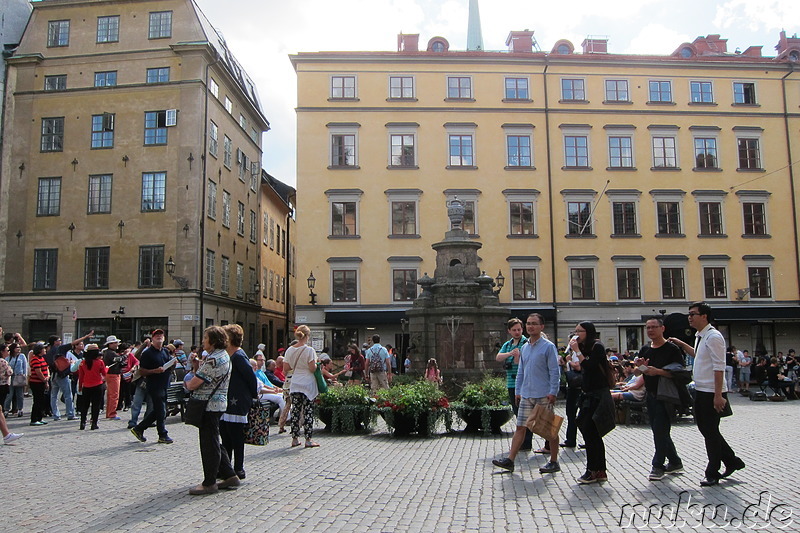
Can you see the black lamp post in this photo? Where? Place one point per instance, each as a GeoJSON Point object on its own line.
{"type": "Point", "coordinates": [311, 282]}
{"type": "Point", "coordinates": [182, 282]}
{"type": "Point", "coordinates": [500, 280]}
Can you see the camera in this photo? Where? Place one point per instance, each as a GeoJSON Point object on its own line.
{"type": "Point", "coordinates": [508, 365]}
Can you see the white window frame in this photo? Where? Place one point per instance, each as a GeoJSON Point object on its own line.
{"type": "Point", "coordinates": [517, 77]}
{"type": "Point", "coordinates": [621, 131]}
{"type": "Point", "coordinates": [522, 195]}
{"type": "Point", "coordinates": [760, 261]}
{"type": "Point", "coordinates": [341, 128]}
{"type": "Point", "coordinates": [471, 95]}
{"type": "Point", "coordinates": [340, 195]}
{"type": "Point", "coordinates": [747, 132]}
{"type": "Point", "coordinates": [213, 87]}
{"type": "Point", "coordinates": [587, 262]}
{"type": "Point", "coordinates": [755, 197]}
{"type": "Point", "coordinates": [715, 263]}
{"type": "Point", "coordinates": [572, 78]}
{"type": "Point", "coordinates": [343, 97]}
{"type": "Point", "coordinates": [345, 263]}
{"type": "Point", "coordinates": [211, 210]}
{"type": "Point", "coordinates": [712, 196]}
{"type": "Point", "coordinates": [576, 130]}
{"type": "Point", "coordinates": [519, 130]}
{"type": "Point", "coordinates": [669, 196]}
{"type": "Point", "coordinates": [462, 129]}
{"type": "Point", "coordinates": [659, 132]}
{"type": "Point", "coordinates": [706, 133]}
{"type": "Point", "coordinates": [676, 262]}
{"type": "Point", "coordinates": [225, 275]}
{"type": "Point", "coordinates": [744, 82]}
{"type": "Point", "coordinates": [628, 262]}
{"type": "Point", "coordinates": [413, 87]}
{"type": "Point", "coordinates": [403, 129]}
{"type": "Point", "coordinates": [465, 195]}
{"type": "Point", "coordinates": [625, 195]}
{"type": "Point", "coordinates": [211, 265]}
{"type": "Point", "coordinates": [404, 195]}
{"type": "Point", "coordinates": [713, 92]}
{"type": "Point", "coordinates": [524, 263]}
{"type": "Point", "coordinates": [627, 88]}
{"type": "Point", "coordinates": [402, 263]}
{"type": "Point", "coordinates": [579, 195]}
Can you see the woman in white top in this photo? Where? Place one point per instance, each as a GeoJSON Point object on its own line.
{"type": "Point", "coordinates": [301, 361]}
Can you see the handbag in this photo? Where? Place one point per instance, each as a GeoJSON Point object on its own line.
{"type": "Point", "coordinates": [322, 385]}
{"type": "Point", "coordinates": [195, 408]}
{"type": "Point", "coordinates": [19, 380]}
{"type": "Point", "coordinates": [257, 430]}
{"type": "Point", "coordinates": [544, 422]}
{"type": "Point", "coordinates": [574, 379]}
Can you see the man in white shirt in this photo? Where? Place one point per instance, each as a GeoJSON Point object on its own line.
{"type": "Point", "coordinates": [711, 393]}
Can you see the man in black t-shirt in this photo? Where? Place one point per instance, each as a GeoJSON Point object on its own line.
{"type": "Point", "coordinates": [157, 380]}
{"type": "Point", "coordinates": [659, 354]}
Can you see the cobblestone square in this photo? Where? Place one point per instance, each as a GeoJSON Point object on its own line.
{"type": "Point", "coordinates": [60, 479]}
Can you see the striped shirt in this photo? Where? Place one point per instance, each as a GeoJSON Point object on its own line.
{"type": "Point", "coordinates": [37, 361]}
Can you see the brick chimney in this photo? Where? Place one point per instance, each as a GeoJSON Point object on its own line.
{"type": "Point", "coordinates": [595, 45]}
{"type": "Point", "coordinates": [710, 45]}
{"type": "Point", "coordinates": [520, 41]}
{"type": "Point", "coordinates": [752, 51]}
{"type": "Point", "coordinates": [408, 42]}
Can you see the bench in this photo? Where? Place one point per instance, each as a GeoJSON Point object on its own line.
{"type": "Point", "coordinates": [176, 398]}
{"type": "Point", "coordinates": [633, 412]}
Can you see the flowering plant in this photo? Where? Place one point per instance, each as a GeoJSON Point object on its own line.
{"type": "Point", "coordinates": [421, 399]}
{"type": "Point", "coordinates": [345, 409]}
{"type": "Point", "coordinates": [484, 405]}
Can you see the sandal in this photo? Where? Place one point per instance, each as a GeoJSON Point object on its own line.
{"type": "Point", "coordinates": [542, 450]}
{"type": "Point", "coordinates": [310, 444]}
{"type": "Point", "coordinates": [295, 442]}
{"type": "Point", "coordinates": [282, 430]}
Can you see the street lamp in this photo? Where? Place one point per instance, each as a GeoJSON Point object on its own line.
{"type": "Point", "coordinates": [500, 280]}
{"type": "Point", "coordinates": [252, 296]}
{"type": "Point", "coordinates": [311, 282]}
{"type": "Point", "coordinates": [182, 282]}
{"type": "Point", "coordinates": [755, 281]}
{"type": "Point", "coordinates": [118, 314]}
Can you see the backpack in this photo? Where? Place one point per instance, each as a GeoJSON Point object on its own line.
{"type": "Point", "coordinates": [376, 363]}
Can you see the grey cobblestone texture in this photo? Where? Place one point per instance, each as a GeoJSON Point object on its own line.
{"type": "Point", "coordinates": [59, 479]}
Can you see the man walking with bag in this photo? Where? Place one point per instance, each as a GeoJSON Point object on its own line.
{"type": "Point", "coordinates": [538, 381]}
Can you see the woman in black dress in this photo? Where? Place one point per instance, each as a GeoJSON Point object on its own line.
{"type": "Point", "coordinates": [596, 417]}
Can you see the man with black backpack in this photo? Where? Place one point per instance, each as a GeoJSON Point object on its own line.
{"type": "Point", "coordinates": [59, 378]}
{"type": "Point", "coordinates": [379, 368]}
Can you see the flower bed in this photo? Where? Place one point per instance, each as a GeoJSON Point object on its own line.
{"type": "Point", "coordinates": [345, 409]}
{"type": "Point", "coordinates": [484, 405]}
{"type": "Point", "coordinates": [414, 408]}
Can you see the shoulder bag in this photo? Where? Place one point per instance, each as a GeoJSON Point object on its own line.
{"type": "Point", "coordinates": [195, 408]}
{"type": "Point", "coordinates": [257, 430]}
{"type": "Point", "coordinates": [18, 379]}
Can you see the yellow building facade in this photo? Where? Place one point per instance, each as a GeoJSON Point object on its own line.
{"type": "Point", "coordinates": [131, 175]}
{"type": "Point", "coordinates": [603, 187]}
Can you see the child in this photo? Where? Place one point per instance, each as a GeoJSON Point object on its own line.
{"type": "Point", "coordinates": [432, 372]}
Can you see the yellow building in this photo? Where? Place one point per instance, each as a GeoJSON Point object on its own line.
{"type": "Point", "coordinates": [131, 177]}
{"type": "Point", "coordinates": [604, 187]}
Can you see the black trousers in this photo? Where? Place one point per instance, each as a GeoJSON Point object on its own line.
{"type": "Point", "coordinates": [158, 395]}
{"type": "Point", "coordinates": [707, 419]}
{"type": "Point", "coordinates": [39, 401]}
{"type": "Point", "coordinates": [232, 434]}
{"type": "Point", "coordinates": [90, 396]}
{"type": "Point", "coordinates": [595, 448]}
{"type": "Point", "coordinates": [214, 457]}
{"type": "Point", "coordinates": [573, 393]}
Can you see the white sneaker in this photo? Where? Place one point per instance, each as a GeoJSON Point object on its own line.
{"type": "Point", "coordinates": [11, 437]}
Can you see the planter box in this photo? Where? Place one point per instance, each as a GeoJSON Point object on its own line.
{"type": "Point", "coordinates": [475, 420]}
{"type": "Point", "coordinates": [345, 418]}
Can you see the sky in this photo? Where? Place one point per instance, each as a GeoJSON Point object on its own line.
{"type": "Point", "coordinates": [263, 33]}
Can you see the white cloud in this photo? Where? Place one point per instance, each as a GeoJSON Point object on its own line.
{"type": "Point", "coordinates": [656, 39]}
{"type": "Point", "coordinates": [758, 16]}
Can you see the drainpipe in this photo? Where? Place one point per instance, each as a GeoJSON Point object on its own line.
{"type": "Point", "coordinates": [550, 197]}
{"type": "Point", "coordinates": [287, 302]}
{"type": "Point", "coordinates": [791, 170]}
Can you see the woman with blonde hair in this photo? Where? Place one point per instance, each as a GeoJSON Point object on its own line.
{"type": "Point", "coordinates": [301, 361]}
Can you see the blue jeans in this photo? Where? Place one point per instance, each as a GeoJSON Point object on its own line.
{"type": "Point", "coordinates": [63, 386]}
{"type": "Point", "coordinates": [158, 414]}
{"type": "Point", "coordinates": [14, 399]}
{"type": "Point", "coordinates": [140, 396]}
{"type": "Point", "coordinates": [658, 412]}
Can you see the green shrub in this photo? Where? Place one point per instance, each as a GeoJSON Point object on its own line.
{"type": "Point", "coordinates": [491, 391]}
{"type": "Point", "coordinates": [350, 395]}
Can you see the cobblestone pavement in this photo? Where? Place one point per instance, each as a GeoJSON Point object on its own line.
{"type": "Point", "coordinates": [60, 479]}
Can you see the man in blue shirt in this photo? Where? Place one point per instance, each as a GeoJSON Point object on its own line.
{"type": "Point", "coordinates": [151, 366]}
{"type": "Point", "coordinates": [537, 383]}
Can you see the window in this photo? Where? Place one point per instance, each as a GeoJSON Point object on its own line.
{"type": "Point", "coordinates": [108, 29]}
{"type": "Point", "coordinates": [620, 152]}
{"type": "Point", "coordinates": [211, 265]}
{"type": "Point", "coordinates": [345, 285]}
{"type": "Point", "coordinates": [45, 265]}
{"type": "Point", "coordinates": [155, 128]}
{"type": "Point", "coordinates": [404, 218]}
{"type": "Point", "coordinates": [154, 191]}
{"type": "Point", "coordinates": [158, 75]}
{"type": "Point", "coordinates": [272, 234]}
{"type": "Point", "coordinates": [343, 218]}
{"type": "Point", "coordinates": [576, 151]}
{"type": "Point", "coordinates": [701, 92]}
{"type": "Point", "coordinates": [759, 282]}
{"type": "Point", "coordinates": [524, 283]}
{"type": "Point", "coordinates": [212, 200]}
{"type": "Point", "coordinates": [160, 25]}
{"type": "Point", "coordinates": [579, 218]}
{"type": "Point", "coordinates": [49, 197]}
{"type": "Point", "coordinates": [343, 87]}
{"type": "Point", "coordinates": [240, 219]}
{"type": "Point", "coordinates": [517, 89]}
{"type": "Point", "coordinates": [572, 89]}
{"type": "Point", "coordinates": [582, 283]}
{"type": "Point", "coordinates": [710, 218]}
{"type": "Point", "coordinates": [744, 93]}
{"type": "Point", "coordinates": [624, 218]}
{"type": "Point", "coordinates": [53, 134]}
{"type": "Point", "coordinates": [404, 284]}
{"type": "Point", "coordinates": [705, 152]}
{"type": "Point", "coordinates": [468, 197]}
{"type": "Point", "coordinates": [401, 87]}
{"type": "Point", "coordinates": [151, 267]}
{"type": "Point", "coordinates": [99, 194]}
{"type": "Point", "coordinates": [239, 280]}
{"type": "Point", "coordinates": [253, 227]}
{"type": "Point", "coordinates": [628, 284]}
{"type": "Point", "coordinates": [755, 218]}
{"type": "Point", "coordinates": [673, 286]}
{"type": "Point", "coordinates": [255, 175]}
{"type": "Point", "coordinates": [225, 275]}
{"type": "Point", "coordinates": [95, 273]}
{"type": "Point", "coordinates": [226, 209]}
{"type": "Point", "coordinates": [244, 165]}
{"type": "Point", "coordinates": [669, 219]}
{"type": "Point", "coordinates": [271, 285]}
{"type": "Point", "coordinates": [243, 122]}
{"type": "Point", "coordinates": [103, 130]}
{"type": "Point", "coordinates": [251, 282]}
{"type": "Point", "coordinates": [617, 91]}
{"type": "Point", "coordinates": [58, 33]}
{"type": "Point", "coordinates": [343, 150]}
{"type": "Point", "coordinates": [664, 153]}
{"type": "Point", "coordinates": [749, 156]}
{"type": "Point", "coordinates": [461, 154]}
{"type": "Point", "coordinates": [714, 281]}
{"type": "Point", "coordinates": [228, 105]}
{"type": "Point", "coordinates": [105, 79]}
{"type": "Point", "coordinates": [213, 138]}
{"type": "Point", "coordinates": [403, 150]}
{"type": "Point", "coordinates": [521, 218]}
{"type": "Point", "coordinates": [213, 87]}
{"type": "Point", "coordinates": [661, 91]}
{"type": "Point", "coordinates": [227, 147]}
{"type": "Point", "coordinates": [518, 149]}
{"type": "Point", "coordinates": [55, 83]}
{"type": "Point", "coordinates": [459, 87]}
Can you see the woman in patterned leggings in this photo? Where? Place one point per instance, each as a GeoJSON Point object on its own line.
{"type": "Point", "coordinates": [301, 360]}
